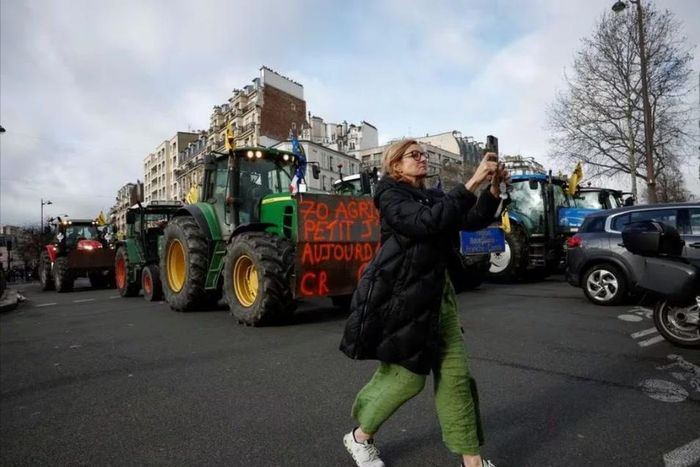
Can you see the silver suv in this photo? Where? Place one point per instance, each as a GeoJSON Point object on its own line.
{"type": "Point", "coordinates": [599, 264]}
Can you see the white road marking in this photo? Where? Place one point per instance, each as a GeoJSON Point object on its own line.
{"type": "Point", "coordinates": [652, 341]}
{"type": "Point", "coordinates": [45, 304]}
{"type": "Point", "coordinates": [631, 318]}
{"type": "Point", "coordinates": [664, 391]}
{"type": "Point", "coordinates": [684, 456]}
{"type": "Point", "coordinates": [639, 334]}
{"type": "Point", "coordinates": [84, 300]}
{"type": "Point", "coordinates": [114, 296]}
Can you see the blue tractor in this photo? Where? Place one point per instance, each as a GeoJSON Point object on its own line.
{"type": "Point", "coordinates": [542, 216]}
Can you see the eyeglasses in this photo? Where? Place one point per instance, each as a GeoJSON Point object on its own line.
{"type": "Point", "coordinates": [417, 155]}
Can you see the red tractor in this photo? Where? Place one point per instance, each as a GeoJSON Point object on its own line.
{"type": "Point", "coordinates": [79, 248]}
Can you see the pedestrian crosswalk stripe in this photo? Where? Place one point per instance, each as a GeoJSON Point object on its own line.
{"type": "Point", "coordinates": [652, 341]}
{"type": "Point", "coordinates": [646, 332]}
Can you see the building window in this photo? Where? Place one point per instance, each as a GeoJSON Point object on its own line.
{"type": "Point", "coordinates": [294, 107]}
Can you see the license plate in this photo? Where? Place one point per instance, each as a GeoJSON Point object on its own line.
{"type": "Point", "coordinates": [489, 240]}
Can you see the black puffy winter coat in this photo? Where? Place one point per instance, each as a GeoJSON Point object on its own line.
{"type": "Point", "coordinates": [395, 308]}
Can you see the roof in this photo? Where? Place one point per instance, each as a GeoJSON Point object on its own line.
{"type": "Point", "coordinates": [638, 207]}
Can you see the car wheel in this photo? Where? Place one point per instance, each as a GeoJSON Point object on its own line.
{"type": "Point", "coordinates": [605, 284]}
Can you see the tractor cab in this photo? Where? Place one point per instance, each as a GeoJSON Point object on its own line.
{"type": "Point", "coordinates": [598, 198]}
{"type": "Point", "coordinates": [241, 181]}
{"type": "Point", "coordinates": [68, 233]}
{"type": "Point", "coordinates": [359, 184]}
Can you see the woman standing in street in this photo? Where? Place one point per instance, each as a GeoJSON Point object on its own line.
{"type": "Point", "coordinates": [404, 310]}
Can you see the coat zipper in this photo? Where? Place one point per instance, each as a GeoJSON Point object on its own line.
{"type": "Point", "coordinates": [362, 321]}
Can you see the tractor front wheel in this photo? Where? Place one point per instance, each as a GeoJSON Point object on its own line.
{"type": "Point", "coordinates": [184, 264]}
{"type": "Point", "coordinates": [511, 264]}
{"type": "Point", "coordinates": [62, 277]}
{"type": "Point", "coordinates": [45, 276]}
{"type": "Point", "coordinates": [126, 287]}
{"type": "Point", "coordinates": [257, 278]}
{"type": "Point", "coordinates": [150, 283]}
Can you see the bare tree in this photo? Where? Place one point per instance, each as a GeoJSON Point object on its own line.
{"type": "Point", "coordinates": [599, 119]}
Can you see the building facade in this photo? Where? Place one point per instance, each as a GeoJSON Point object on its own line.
{"type": "Point", "coordinates": [117, 214]}
{"type": "Point", "coordinates": [342, 137]}
{"type": "Point", "coordinates": [438, 158]}
{"type": "Point", "coordinates": [159, 167]}
{"type": "Point", "coordinates": [262, 113]}
{"type": "Point", "coordinates": [331, 162]}
{"type": "Point", "coordinates": [190, 170]}
{"type": "Point", "coordinates": [453, 141]}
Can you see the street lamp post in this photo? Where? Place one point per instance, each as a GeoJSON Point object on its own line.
{"type": "Point", "coordinates": [43, 203]}
{"type": "Point", "coordinates": [648, 135]}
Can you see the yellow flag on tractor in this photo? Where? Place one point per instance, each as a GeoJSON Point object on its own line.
{"type": "Point", "coordinates": [101, 219]}
{"type": "Point", "coordinates": [192, 196]}
{"type": "Point", "coordinates": [505, 221]}
{"type": "Point", "coordinates": [229, 143]}
{"type": "Point", "coordinates": [575, 179]}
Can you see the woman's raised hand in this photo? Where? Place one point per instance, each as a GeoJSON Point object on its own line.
{"type": "Point", "coordinates": [485, 171]}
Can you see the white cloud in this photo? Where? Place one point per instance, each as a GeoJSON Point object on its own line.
{"type": "Point", "coordinates": [88, 89]}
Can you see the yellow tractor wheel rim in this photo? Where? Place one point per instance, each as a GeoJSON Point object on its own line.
{"type": "Point", "coordinates": [177, 269]}
{"type": "Point", "coordinates": [245, 280]}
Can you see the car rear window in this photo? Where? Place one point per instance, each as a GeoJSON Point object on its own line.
{"type": "Point", "coordinates": [593, 224]}
{"type": "Point", "coordinates": [667, 216]}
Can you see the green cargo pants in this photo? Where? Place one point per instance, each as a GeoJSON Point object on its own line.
{"type": "Point", "coordinates": [456, 398]}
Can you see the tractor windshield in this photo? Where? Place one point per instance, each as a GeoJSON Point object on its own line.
{"type": "Point", "coordinates": [527, 202]}
{"type": "Point", "coordinates": [348, 187]}
{"type": "Point", "coordinates": [261, 177]}
{"type": "Point", "coordinates": [73, 233]}
{"type": "Point", "coordinates": [603, 199]}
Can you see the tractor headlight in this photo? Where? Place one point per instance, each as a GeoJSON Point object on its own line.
{"type": "Point", "coordinates": [249, 154]}
{"type": "Point", "coordinates": [258, 154]}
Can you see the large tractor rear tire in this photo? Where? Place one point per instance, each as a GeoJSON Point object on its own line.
{"type": "Point", "coordinates": [62, 277]}
{"type": "Point", "coordinates": [511, 265]}
{"type": "Point", "coordinates": [150, 283]}
{"type": "Point", "coordinates": [45, 276]}
{"type": "Point", "coordinates": [184, 265]}
{"type": "Point", "coordinates": [126, 287]}
{"type": "Point", "coordinates": [257, 278]}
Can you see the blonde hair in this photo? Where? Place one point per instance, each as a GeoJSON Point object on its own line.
{"type": "Point", "coordinates": [392, 159]}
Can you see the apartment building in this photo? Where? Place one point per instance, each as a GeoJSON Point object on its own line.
{"type": "Point", "coordinates": [342, 137]}
{"type": "Point", "coordinates": [190, 170]}
{"type": "Point", "coordinates": [453, 141]}
{"type": "Point", "coordinates": [159, 178]}
{"type": "Point", "coordinates": [117, 214]}
{"type": "Point", "coordinates": [262, 113]}
{"type": "Point", "coordinates": [331, 162]}
{"type": "Point", "coordinates": [438, 158]}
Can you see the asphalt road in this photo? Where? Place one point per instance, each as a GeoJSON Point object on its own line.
{"type": "Point", "coordinates": [88, 378]}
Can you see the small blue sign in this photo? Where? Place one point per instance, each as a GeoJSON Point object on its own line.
{"type": "Point", "coordinates": [489, 240]}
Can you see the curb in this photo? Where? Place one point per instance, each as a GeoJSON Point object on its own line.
{"type": "Point", "coordinates": [10, 300]}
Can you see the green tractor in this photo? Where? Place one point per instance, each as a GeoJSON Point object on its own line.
{"type": "Point", "coordinates": [261, 247]}
{"type": "Point", "coordinates": [137, 260]}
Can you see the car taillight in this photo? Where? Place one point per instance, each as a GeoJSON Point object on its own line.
{"type": "Point", "coordinates": [574, 242]}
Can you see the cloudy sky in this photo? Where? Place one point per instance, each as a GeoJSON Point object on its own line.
{"type": "Point", "coordinates": [88, 89]}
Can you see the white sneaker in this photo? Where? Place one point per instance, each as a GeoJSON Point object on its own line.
{"type": "Point", "coordinates": [365, 454]}
{"type": "Point", "coordinates": [484, 463]}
